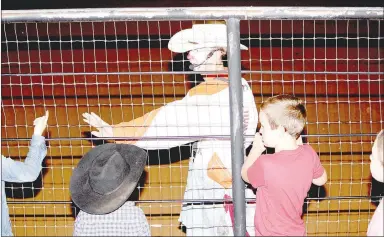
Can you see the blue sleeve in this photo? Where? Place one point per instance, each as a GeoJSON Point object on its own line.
{"type": "Point", "coordinates": [29, 170]}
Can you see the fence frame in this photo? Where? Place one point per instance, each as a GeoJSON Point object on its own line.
{"type": "Point", "coordinates": [232, 15]}
{"type": "Point", "coordinates": [192, 13]}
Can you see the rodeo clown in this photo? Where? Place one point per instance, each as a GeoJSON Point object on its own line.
{"type": "Point", "coordinates": [202, 114]}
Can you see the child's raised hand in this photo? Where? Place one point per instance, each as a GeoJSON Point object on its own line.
{"type": "Point", "coordinates": [40, 124]}
{"type": "Point", "coordinates": [258, 143]}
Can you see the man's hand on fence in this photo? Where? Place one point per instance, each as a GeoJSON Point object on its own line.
{"type": "Point", "coordinates": [103, 128]}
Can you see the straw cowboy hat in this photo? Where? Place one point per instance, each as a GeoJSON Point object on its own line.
{"type": "Point", "coordinates": [106, 176]}
{"type": "Point", "coordinates": [200, 36]}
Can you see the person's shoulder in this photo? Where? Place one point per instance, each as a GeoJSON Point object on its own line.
{"type": "Point", "coordinates": [130, 206]}
{"type": "Point", "coordinates": [243, 80]}
{"type": "Point", "coordinates": [308, 153]}
{"type": "Point", "coordinates": [267, 158]}
{"type": "Point", "coordinates": [245, 85]}
{"type": "Point", "coordinates": [308, 148]}
{"type": "Point", "coordinates": [130, 209]}
{"type": "Point", "coordinates": [208, 88]}
{"type": "Point", "coordinates": [82, 216]}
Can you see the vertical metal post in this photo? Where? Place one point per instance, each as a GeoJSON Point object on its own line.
{"type": "Point", "coordinates": [236, 116]}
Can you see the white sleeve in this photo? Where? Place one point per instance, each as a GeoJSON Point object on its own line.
{"type": "Point", "coordinates": [188, 120]}
{"type": "Point", "coordinates": [377, 169]}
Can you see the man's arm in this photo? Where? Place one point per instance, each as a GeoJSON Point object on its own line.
{"type": "Point", "coordinates": [175, 124]}
{"type": "Point", "coordinates": [180, 122]}
{"type": "Point", "coordinates": [29, 170]}
{"type": "Point", "coordinates": [135, 128]}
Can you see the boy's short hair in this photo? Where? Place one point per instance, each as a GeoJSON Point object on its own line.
{"type": "Point", "coordinates": [286, 111]}
{"type": "Point", "coordinates": [379, 141]}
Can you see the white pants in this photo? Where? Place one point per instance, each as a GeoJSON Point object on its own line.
{"type": "Point", "coordinates": [376, 226]}
{"type": "Point", "coordinates": [214, 221]}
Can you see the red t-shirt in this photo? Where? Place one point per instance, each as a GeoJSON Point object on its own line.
{"type": "Point", "coordinates": [283, 180]}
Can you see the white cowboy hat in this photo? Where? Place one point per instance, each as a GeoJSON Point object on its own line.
{"type": "Point", "coordinates": [200, 36]}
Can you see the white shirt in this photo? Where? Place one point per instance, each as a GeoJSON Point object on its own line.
{"type": "Point", "coordinates": [198, 116]}
{"type": "Point", "coordinates": [128, 220]}
{"type": "Point", "coordinates": [204, 116]}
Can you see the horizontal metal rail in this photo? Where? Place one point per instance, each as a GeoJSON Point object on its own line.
{"type": "Point", "coordinates": [184, 73]}
{"type": "Point", "coordinates": [218, 137]}
{"type": "Point", "coordinates": [193, 13]}
{"type": "Point", "coordinates": [201, 201]}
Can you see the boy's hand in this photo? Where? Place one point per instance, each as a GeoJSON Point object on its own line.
{"type": "Point", "coordinates": [258, 145]}
{"type": "Point", "coordinates": [258, 142]}
{"type": "Point", "coordinates": [104, 129]}
{"type": "Point", "coordinates": [40, 124]}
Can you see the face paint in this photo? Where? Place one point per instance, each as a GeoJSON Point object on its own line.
{"type": "Point", "coordinates": [199, 58]}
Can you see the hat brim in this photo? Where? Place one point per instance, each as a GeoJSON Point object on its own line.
{"type": "Point", "coordinates": [94, 203]}
{"type": "Point", "coordinates": [181, 42]}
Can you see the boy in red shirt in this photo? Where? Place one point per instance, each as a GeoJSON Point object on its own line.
{"type": "Point", "coordinates": [282, 179]}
